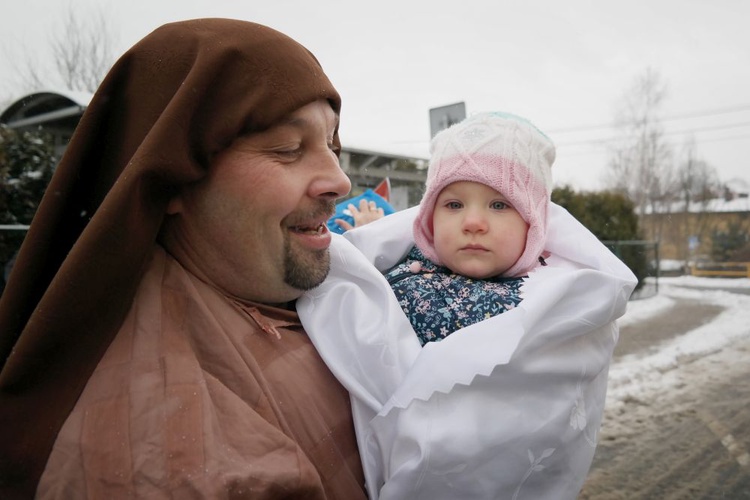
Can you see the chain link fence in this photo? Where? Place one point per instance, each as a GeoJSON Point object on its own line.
{"type": "Point", "coordinates": [642, 257]}
{"type": "Point", "coordinates": [11, 236]}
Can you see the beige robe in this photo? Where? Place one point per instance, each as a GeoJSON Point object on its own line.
{"type": "Point", "coordinates": [201, 396]}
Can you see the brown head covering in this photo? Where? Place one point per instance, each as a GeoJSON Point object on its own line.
{"type": "Point", "coordinates": [167, 106]}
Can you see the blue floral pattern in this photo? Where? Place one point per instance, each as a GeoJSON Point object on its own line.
{"type": "Point", "coordinates": [438, 302]}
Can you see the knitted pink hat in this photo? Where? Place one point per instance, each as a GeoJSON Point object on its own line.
{"type": "Point", "coordinates": [504, 152]}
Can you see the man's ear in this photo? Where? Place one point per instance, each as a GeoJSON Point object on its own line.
{"type": "Point", "coordinates": [175, 205]}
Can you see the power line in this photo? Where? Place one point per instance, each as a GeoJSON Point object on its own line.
{"type": "Point", "coordinates": [604, 142]}
{"type": "Point", "coordinates": [672, 132]}
{"type": "Point", "coordinates": [705, 129]}
{"type": "Point", "coordinates": [681, 116]}
{"type": "Point", "coordinates": [719, 111]}
{"type": "Point", "coordinates": [722, 139]}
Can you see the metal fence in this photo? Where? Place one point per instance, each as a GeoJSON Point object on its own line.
{"type": "Point", "coordinates": [642, 257]}
{"type": "Point", "coordinates": [11, 236]}
{"type": "Point", "coordinates": [721, 269]}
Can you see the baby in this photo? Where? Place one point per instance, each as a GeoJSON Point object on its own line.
{"type": "Point", "coordinates": [510, 406]}
{"type": "Point", "coordinates": [481, 225]}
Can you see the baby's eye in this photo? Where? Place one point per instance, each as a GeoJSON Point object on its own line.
{"type": "Point", "coordinates": [453, 205]}
{"type": "Point", "coordinates": [498, 205]}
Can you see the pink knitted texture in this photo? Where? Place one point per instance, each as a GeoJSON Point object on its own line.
{"type": "Point", "coordinates": [504, 152]}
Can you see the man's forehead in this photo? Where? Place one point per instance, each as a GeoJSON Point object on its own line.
{"type": "Point", "coordinates": [305, 115]}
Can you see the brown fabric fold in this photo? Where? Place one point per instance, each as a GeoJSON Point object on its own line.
{"type": "Point", "coordinates": [167, 106]}
{"type": "Point", "coordinates": [192, 400]}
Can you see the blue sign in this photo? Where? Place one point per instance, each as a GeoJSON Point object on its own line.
{"type": "Point", "coordinates": [342, 209]}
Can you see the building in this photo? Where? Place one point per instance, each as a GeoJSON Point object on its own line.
{"type": "Point", "coordinates": [58, 112]}
{"type": "Point", "coordinates": [690, 232]}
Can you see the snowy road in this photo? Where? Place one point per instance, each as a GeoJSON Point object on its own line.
{"type": "Point", "coordinates": [677, 421]}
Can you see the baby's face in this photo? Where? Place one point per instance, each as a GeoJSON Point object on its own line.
{"type": "Point", "coordinates": [477, 232]}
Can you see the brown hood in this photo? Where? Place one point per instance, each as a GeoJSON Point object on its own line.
{"type": "Point", "coordinates": [176, 98]}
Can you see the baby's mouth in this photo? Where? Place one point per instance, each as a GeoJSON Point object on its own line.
{"type": "Point", "coordinates": [473, 247]}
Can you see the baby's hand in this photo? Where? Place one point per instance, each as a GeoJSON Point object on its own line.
{"type": "Point", "coordinates": [368, 212]}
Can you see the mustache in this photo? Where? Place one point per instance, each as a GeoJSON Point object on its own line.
{"type": "Point", "coordinates": [323, 209]}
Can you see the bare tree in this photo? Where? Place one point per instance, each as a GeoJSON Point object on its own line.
{"type": "Point", "coordinates": [698, 183]}
{"type": "Point", "coordinates": [641, 160]}
{"type": "Point", "coordinates": [81, 49]}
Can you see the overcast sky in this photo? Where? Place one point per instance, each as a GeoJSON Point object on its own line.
{"type": "Point", "coordinates": [563, 65]}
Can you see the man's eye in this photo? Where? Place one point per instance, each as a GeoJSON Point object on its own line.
{"type": "Point", "coordinates": [499, 205]}
{"type": "Point", "coordinates": [334, 148]}
{"type": "Point", "coordinates": [289, 153]}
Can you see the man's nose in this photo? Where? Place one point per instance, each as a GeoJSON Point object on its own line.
{"type": "Point", "coordinates": [331, 181]}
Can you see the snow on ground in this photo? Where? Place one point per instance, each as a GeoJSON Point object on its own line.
{"type": "Point", "coordinates": [725, 339]}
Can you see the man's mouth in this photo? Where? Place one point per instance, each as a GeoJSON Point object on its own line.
{"type": "Point", "coordinates": [312, 223]}
{"type": "Point", "coordinates": [311, 229]}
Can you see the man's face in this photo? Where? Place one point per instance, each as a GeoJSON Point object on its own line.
{"type": "Point", "coordinates": [256, 225]}
{"type": "Point", "coordinates": [477, 232]}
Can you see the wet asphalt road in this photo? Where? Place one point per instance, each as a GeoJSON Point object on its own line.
{"type": "Point", "coordinates": [690, 444]}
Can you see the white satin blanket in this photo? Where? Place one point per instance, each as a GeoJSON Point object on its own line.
{"type": "Point", "coordinates": [506, 408]}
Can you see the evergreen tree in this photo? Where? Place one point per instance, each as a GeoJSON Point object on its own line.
{"type": "Point", "coordinates": [27, 161]}
{"type": "Point", "coordinates": [731, 244]}
{"type": "Point", "coordinates": [611, 216]}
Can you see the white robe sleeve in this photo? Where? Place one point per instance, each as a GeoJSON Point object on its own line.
{"type": "Point", "coordinates": [506, 408]}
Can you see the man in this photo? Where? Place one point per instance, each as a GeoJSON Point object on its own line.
{"type": "Point", "coordinates": [148, 332]}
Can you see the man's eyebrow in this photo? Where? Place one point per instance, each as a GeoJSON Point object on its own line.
{"type": "Point", "coordinates": [300, 122]}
